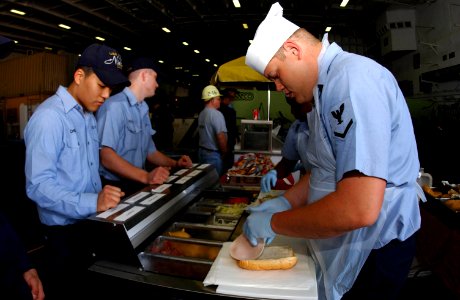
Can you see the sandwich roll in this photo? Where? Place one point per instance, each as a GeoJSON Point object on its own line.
{"type": "Point", "coordinates": [272, 258]}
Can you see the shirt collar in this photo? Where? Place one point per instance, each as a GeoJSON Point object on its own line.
{"type": "Point", "coordinates": [68, 100]}
{"type": "Point", "coordinates": [130, 95]}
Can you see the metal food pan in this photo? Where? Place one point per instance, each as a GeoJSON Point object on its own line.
{"type": "Point", "coordinates": [203, 231]}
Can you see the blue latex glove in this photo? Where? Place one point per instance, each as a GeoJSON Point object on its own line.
{"type": "Point", "coordinates": [257, 225]}
{"type": "Point", "coordinates": [273, 205]}
{"type": "Point", "coordinates": [268, 181]}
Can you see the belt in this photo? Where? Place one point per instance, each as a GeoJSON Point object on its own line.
{"type": "Point", "coordinates": [211, 150]}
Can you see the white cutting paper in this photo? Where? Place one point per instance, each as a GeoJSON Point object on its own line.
{"type": "Point", "coordinates": [111, 211]}
{"type": "Point", "coordinates": [161, 188]}
{"type": "Point", "coordinates": [152, 199]}
{"type": "Point", "coordinates": [181, 171]}
{"type": "Point", "coordinates": [203, 166]}
{"type": "Point", "coordinates": [296, 283]}
{"type": "Point", "coordinates": [171, 178]}
{"type": "Point", "coordinates": [183, 180]}
{"type": "Point", "coordinates": [194, 173]}
{"type": "Point", "coordinates": [129, 213]}
{"type": "Point", "coordinates": [137, 197]}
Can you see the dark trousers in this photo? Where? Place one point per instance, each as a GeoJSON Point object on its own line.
{"type": "Point", "coordinates": [68, 256]}
{"type": "Point", "coordinates": [384, 272]}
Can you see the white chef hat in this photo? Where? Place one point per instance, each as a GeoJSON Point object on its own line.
{"type": "Point", "coordinates": [270, 35]}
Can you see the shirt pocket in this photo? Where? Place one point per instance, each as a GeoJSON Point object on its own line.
{"type": "Point", "coordinates": [70, 155]}
{"type": "Point", "coordinates": [132, 137]}
{"type": "Point", "coordinates": [148, 130]}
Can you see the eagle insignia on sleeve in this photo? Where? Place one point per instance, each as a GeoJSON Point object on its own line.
{"type": "Point", "coordinates": [344, 120]}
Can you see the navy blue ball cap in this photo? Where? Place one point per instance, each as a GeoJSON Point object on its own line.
{"type": "Point", "coordinates": [106, 63]}
{"type": "Point", "coordinates": [142, 62]}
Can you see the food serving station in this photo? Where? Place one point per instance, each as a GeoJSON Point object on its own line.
{"type": "Point", "coordinates": [175, 237]}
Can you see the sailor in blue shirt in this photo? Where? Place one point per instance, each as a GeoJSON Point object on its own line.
{"type": "Point", "coordinates": [62, 160]}
{"type": "Point", "coordinates": [358, 209]}
{"type": "Point", "coordinates": [294, 148]}
{"type": "Point", "coordinates": [125, 132]}
{"type": "Point", "coordinates": [212, 130]}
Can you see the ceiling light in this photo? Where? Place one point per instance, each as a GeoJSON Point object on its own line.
{"type": "Point", "coordinates": [185, 43]}
{"type": "Point", "coordinates": [344, 3]}
{"type": "Point", "coordinates": [18, 12]}
{"type": "Point", "coordinates": [127, 48]}
{"type": "Point", "coordinates": [236, 3]}
{"type": "Point", "coordinates": [48, 48]}
{"type": "Point", "coordinates": [245, 26]}
{"type": "Point", "coordinates": [196, 51]}
{"type": "Point", "coordinates": [215, 65]}
{"type": "Point", "coordinates": [64, 26]}
{"type": "Point", "coordinates": [328, 28]}
{"type": "Point", "coordinates": [196, 75]}
{"type": "Point", "coordinates": [100, 38]}
{"type": "Point", "coordinates": [165, 29]}
{"type": "Point", "coordinates": [178, 68]}
{"type": "Point", "coordinates": [15, 41]}
{"type": "Point", "coordinates": [161, 62]}
{"type": "Point", "coordinates": [207, 60]}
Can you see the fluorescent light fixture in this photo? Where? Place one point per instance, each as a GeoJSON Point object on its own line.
{"type": "Point", "coordinates": [161, 62]}
{"type": "Point", "coordinates": [236, 3]}
{"type": "Point", "coordinates": [207, 60]}
{"type": "Point", "coordinates": [344, 3]}
{"type": "Point", "coordinates": [48, 48]}
{"type": "Point", "coordinates": [165, 29]}
{"type": "Point", "coordinates": [99, 38]}
{"type": "Point", "coordinates": [245, 26]}
{"type": "Point", "coordinates": [64, 26]}
{"type": "Point", "coordinates": [328, 28]}
{"type": "Point", "coordinates": [196, 51]}
{"type": "Point", "coordinates": [18, 12]}
{"type": "Point", "coordinates": [215, 65]}
{"type": "Point", "coordinates": [127, 48]}
{"type": "Point", "coordinates": [185, 43]}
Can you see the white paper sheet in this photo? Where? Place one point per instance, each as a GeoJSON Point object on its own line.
{"type": "Point", "coordinates": [296, 283]}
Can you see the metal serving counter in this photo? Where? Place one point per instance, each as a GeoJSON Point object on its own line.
{"type": "Point", "coordinates": [167, 236]}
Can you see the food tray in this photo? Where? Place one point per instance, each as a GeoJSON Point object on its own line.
{"type": "Point", "coordinates": [251, 165]}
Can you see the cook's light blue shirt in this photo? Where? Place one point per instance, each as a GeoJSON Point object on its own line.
{"type": "Point", "coordinates": [368, 123]}
{"type": "Point", "coordinates": [62, 160]}
{"type": "Point", "coordinates": [124, 125]}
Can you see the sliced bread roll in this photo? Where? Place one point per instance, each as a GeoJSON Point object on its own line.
{"type": "Point", "coordinates": [273, 258]}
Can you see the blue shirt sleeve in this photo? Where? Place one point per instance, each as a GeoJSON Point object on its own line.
{"type": "Point", "coordinates": [289, 150]}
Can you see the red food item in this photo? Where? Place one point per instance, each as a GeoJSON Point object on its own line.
{"type": "Point", "coordinates": [237, 200]}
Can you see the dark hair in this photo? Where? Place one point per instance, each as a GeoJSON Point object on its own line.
{"type": "Point", "coordinates": [227, 91]}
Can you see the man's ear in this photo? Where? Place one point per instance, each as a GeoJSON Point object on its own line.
{"type": "Point", "coordinates": [78, 76]}
{"type": "Point", "coordinates": [292, 48]}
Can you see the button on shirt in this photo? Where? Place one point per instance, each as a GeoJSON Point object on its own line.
{"type": "Point", "coordinates": [124, 125]}
{"type": "Point", "coordinates": [62, 160]}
